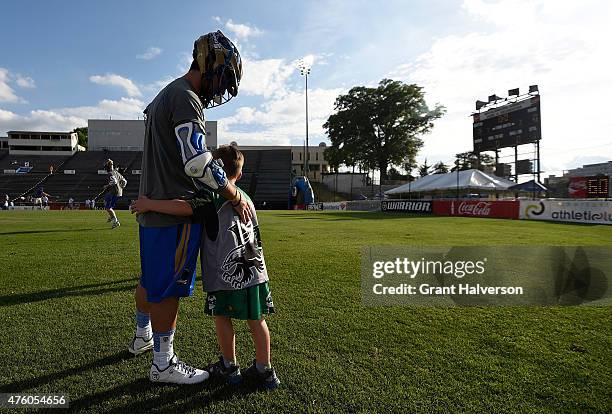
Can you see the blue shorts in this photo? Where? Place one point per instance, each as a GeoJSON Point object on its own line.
{"type": "Point", "coordinates": [168, 258]}
{"type": "Point", "coordinates": [110, 200]}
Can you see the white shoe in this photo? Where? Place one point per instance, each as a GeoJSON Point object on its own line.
{"type": "Point", "coordinates": [140, 345]}
{"type": "Point", "coordinates": [177, 373]}
{"type": "Point", "coordinates": [115, 224]}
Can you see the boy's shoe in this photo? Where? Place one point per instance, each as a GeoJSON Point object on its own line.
{"type": "Point", "coordinates": [266, 379]}
{"type": "Point", "coordinates": [230, 374]}
{"type": "Point", "coordinates": [177, 373]}
{"type": "Point", "coordinates": [116, 224]}
{"type": "Point", "coordinates": [140, 345]}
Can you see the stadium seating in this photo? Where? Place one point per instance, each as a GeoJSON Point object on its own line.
{"type": "Point", "coordinates": [266, 175]}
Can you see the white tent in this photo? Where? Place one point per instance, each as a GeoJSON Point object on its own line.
{"type": "Point", "coordinates": [467, 180]}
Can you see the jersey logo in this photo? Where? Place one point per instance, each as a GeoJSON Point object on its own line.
{"type": "Point", "coordinates": [244, 261]}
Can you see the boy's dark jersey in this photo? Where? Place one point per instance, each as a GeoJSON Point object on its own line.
{"type": "Point", "coordinates": [231, 253]}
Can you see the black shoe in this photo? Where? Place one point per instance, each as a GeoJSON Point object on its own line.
{"type": "Point", "coordinates": [266, 379]}
{"type": "Point", "coordinates": [230, 374]}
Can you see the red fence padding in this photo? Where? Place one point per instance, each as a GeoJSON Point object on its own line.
{"type": "Point", "coordinates": [477, 208]}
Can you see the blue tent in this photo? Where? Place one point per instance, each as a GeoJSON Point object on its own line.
{"type": "Point", "coordinates": [530, 186]}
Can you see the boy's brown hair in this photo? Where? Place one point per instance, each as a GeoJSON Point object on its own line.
{"type": "Point", "coordinates": [232, 158]}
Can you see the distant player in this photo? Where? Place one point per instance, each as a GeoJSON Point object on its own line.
{"type": "Point", "coordinates": [39, 194]}
{"type": "Point", "coordinates": [233, 272]}
{"type": "Point", "coordinates": [114, 191]}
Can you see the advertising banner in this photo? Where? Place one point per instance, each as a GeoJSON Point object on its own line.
{"type": "Point", "coordinates": [477, 208]}
{"type": "Point", "coordinates": [407, 206]}
{"type": "Point", "coordinates": [579, 211]}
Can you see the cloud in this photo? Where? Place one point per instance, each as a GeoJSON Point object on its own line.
{"type": "Point", "coordinates": [116, 80]}
{"type": "Point", "coordinates": [151, 53]}
{"type": "Point", "coordinates": [66, 119]}
{"type": "Point", "coordinates": [242, 31]}
{"type": "Point", "coordinates": [7, 94]}
{"type": "Point", "coordinates": [25, 81]}
{"type": "Point", "coordinates": [280, 120]}
{"type": "Point", "coordinates": [265, 77]}
{"type": "Point", "coordinates": [558, 45]}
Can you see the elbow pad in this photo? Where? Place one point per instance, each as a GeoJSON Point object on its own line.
{"type": "Point", "coordinates": [206, 170]}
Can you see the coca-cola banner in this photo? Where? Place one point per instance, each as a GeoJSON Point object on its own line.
{"type": "Point", "coordinates": [477, 208]}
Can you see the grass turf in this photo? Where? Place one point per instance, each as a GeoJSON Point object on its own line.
{"type": "Point", "coordinates": [66, 305]}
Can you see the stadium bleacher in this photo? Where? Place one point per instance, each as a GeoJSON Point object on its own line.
{"type": "Point", "coordinates": [266, 175]}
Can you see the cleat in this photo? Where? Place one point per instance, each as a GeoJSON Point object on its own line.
{"type": "Point", "coordinates": [177, 373]}
{"type": "Point", "coordinates": [266, 379]}
{"type": "Point", "coordinates": [140, 345]}
{"type": "Point", "coordinates": [230, 374]}
{"type": "Point", "coordinates": [116, 224]}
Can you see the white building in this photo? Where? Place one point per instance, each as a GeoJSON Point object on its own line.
{"type": "Point", "coordinates": [317, 165]}
{"type": "Point", "coordinates": [589, 170]}
{"type": "Point", "coordinates": [42, 143]}
{"type": "Point", "coordinates": [128, 134]}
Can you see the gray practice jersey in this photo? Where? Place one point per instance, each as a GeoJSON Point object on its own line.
{"type": "Point", "coordinates": [114, 178]}
{"type": "Point", "coordinates": [163, 176]}
{"type": "Point", "coordinates": [231, 251]}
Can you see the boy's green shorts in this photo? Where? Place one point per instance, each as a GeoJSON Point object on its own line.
{"type": "Point", "coordinates": [247, 304]}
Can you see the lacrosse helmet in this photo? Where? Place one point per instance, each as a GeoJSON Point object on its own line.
{"type": "Point", "coordinates": [220, 66]}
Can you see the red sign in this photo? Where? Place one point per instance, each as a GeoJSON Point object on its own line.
{"type": "Point", "coordinates": [578, 187]}
{"type": "Point", "coordinates": [477, 208]}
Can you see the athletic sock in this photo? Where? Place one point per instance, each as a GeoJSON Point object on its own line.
{"type": "Point", "coordinates": [228, 362]}
{"type": "Point", "coordinates": [163, 349]}
{"type": "Point", "coordinates": [262, 367]}
{"type": "Point", "coordinates": [143, 325]}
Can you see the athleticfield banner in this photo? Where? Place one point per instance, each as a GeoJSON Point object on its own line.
{"type": "Point", "coordinates": [582, 211]}
{"type": "Point", "coordinates": [407, 206]}
{"type": "Point", "coordinates": [477, 208]}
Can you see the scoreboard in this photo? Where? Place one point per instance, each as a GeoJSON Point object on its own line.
{"type": "Point", "coordinates": [509, 125]}
{"type": "Point", "coordinates": [589, 187]}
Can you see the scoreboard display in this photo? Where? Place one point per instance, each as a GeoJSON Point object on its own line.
{"type": "Point", "coordinates": [597, 187]}
{"type": "Point", "coordinates": [509, 125]}
{"type": "Point", "coordinates": [589, 187]}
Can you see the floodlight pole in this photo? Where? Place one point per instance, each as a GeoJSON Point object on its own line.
{"type": "Point", "coordinates": [305, 71]}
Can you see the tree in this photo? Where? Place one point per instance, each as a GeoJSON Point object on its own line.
{"type": "Point", "coordinates": [394, 174]}
{"type": "Point", "coordinates": [469, 160]}
{"type": "Point", "coordinates": [424, 169]}
{"type": "Point", "coordinates": [379, 127]}
{"type": "Point", "coordinates": [440, 168]}
{"type": "Point", "coordinates": [82, 135]}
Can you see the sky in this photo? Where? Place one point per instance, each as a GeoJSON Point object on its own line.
{"type": "Point", "coordinates": [64, 62]}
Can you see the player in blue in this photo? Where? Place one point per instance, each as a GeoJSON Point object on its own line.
{"type": "Point", "coordinates": [114, 191]}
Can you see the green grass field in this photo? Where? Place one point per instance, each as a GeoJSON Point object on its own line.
{"type": "Point", "coordinates": [66, 285]}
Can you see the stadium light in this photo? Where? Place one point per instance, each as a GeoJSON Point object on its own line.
{"type": "Point", "coordinates": [513, 92]}
{"type": "Point", "coordinates": [305, 71]}
{"type": "Point", "coordinates": [533, 89]}
{"type": "Point", "coordinates": [493, 98]}
{"type": "Point", "coordinates": [480, 104]}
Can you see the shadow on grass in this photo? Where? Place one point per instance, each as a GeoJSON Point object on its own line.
{"type": "Point", "coordinates": [84, 290]}
{"type": "Point", "coordinates": [170, 398]}
{"type": "Point", "coordinates": [45, 231]}
{"type": "Point", "coordinates": [33, 383]}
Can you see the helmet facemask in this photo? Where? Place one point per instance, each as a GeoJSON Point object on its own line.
{"type": "Point", "coordinates": [220, 67]}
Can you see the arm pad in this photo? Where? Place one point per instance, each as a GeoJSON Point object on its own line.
{"type": "Point", "coordinates": [198, 160]}
{"type": "Point", "coordinates": [206, 170]}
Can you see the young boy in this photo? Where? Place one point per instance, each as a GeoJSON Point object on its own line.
{"type": "Point", "coordinates": [233, 272]}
